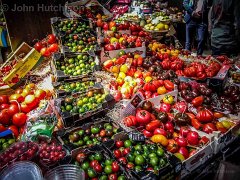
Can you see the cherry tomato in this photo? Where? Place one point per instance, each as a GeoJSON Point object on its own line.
{"type": "Point", "coordinates": [13, 109]}
{"type": "Point", "coordinates": [51, 38]}
{"type": "Point", "coordinates": [4, 117]}
{"type": "Point", "coordinates": [45, 52]}
{"type": "Point", "coordinates": [53, 48]}
{"type": "Point", "coordinates": [38, 46]}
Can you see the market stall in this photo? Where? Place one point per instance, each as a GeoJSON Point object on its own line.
{"type": "Point", "coordinates": [104, 97]}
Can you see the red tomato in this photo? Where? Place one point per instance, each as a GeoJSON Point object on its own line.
{"type": "Point", "coordinates": [130, 165]}
{"type": "Point", "coordinates": [160, 131]}
{"type": "Point", "coordinates": [193, 138]}
{"type": "Point", "coordinates": [112, 177]}
{"type": "Point", "coordinates": [53, 48]}
{"type": "Point", "coordinates": [172, 146]}
{"type": "Point", "coordinates": [4, 106]}
{"type": "Point", "coordinates": [182, 142]}
{"type": "Point", "coordinates": [93, 163]}
{"type": "Point", "coordinates": [13, 109]}
{"type": "Point", "coordinates": [14, 130]}
{"type": "Point", "coordinates": [205, 116]}
{"type": "Point", "coordinates": [98, 168]}
{"type": "Point", "coordinates": [51, 38]}
{"type": "Point", "coordinates": [99, 23]}
{"type": "Point", "coordinates": [2, 128]}
{"type": "Point", "coordinates": [38, 46]}
{"type": "Point", "coordinates": [196, 124]}
{"type": "Point", "coordinates": [184, 131]}
{"type": "Point", "coordinates": [147, 134]}
{"type": "Point", "coordinates": [125, 151]}
{"type": "Point", "coordinates": [19, 119]}
{"type": "Point", "coordinates": [31, 101]}
{"type": "Point", "coordinates": [168, 85]}
{"type": "Point", "coordinates": [197, 101]}
{"type": "Point", "coordinates": [45, 52]}
{"type": "Point", "coordinates": [25, 108]}
{"type": "Point", "coordinates": [184, 152]}
{"type": "Point", "coordinates": [3, 99]}
{"type": "Point", "coordinates": [123, 160]}
{"type": "Point", "coordinates": [153, 125]}
{"type": "Point", "coordinates": [4, 117]}
{"type": "Point", "coordinates": [143, 117]}
{"type": "Point", "coordinates": [119, 144]}
{"type": "Point", "coordinates": [40, 94]}
{"type": "Point", "coordinates": [16, 97]}
{"type": "Point", "coordinates": [209, 128]}
{"type": "Point", "coordinates": [117, 153]}
{"type": "Point", "coordinates": [115, 166]}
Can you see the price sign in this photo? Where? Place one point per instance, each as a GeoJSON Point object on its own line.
{"type": "Point", "coordinates": [136, 137]}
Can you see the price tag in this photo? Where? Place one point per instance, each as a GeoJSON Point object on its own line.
{"type": "Point", "coordinates": [136, 137]}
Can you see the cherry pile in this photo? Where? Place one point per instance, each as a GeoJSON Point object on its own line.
{"type": "Point", "coordinates": [51, 153]}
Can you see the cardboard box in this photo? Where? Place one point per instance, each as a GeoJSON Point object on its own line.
{"type": "Point", "coordinates": [106, 55]}
{"type": "Point", "coordinates": [23, 66]}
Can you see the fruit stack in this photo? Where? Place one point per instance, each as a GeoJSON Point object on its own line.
{"type": "Point", "coordinates": [76, 35]}
{"type": "Point", "coordinates": [90, 134]}
{"type": "Point", "coordinates": [98, 164]}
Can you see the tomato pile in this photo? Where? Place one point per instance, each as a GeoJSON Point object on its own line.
{"type": "Point", "coordinates": [96, 165]}
{"type": "Point", "coordinates": [14, 108]}
{"type": "Point", "coordinates": [47, 46]}
{"type": "Point", "coordinates": [139, 156]}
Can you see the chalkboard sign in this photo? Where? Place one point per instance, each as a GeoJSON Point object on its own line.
{"type": "Point", "coordinates": [136, 137]}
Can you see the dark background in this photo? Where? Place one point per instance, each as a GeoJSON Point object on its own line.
{"type": "Point", "coordinates": [26, 26]}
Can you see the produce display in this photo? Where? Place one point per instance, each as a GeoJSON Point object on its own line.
{"type": "Point", "coordinates": [91, 135]}
{"type": "Point", "coordinates": [139, 156]}
{"type": "Point", "coordinates": [98, 165]}
{"type": "Point", "coordinates": [111, 96]}
{"type": "Point", "coordinates": [76, 86]}
{"type": "Point", "coordinates": [89, 101]}
{"type": "Point", "coordinates": [77, 65]}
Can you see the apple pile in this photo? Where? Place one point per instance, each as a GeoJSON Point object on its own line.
{"type": "Point", "coordinates": [14, 108]}
{"type": "Point", "coordinates": [47, 46]}
{"type": "Point", "coordinates": [20, 151]}
{"type": "Point", "coordinates": [50, 153]}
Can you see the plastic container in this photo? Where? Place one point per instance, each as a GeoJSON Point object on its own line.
{"type": "Point", "coordinates": [24, 170]}
{"type": "Point", "coordinates": [20, 151]}
{"type": "Point", "coordinates": [65, 172]}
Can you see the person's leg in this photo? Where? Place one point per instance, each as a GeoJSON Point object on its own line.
{"type": "Point", "coordinates": [189, 34]}
{"type": "Point", "coordinates": [201, 31]}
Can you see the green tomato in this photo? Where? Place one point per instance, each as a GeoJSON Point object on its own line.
{"type": "Point", "coordinates": [154, 161]}
{"type": "Point", "coordinates": [11, 141]}
{"type": "Point", "coordinates": [108, 169]}
{"type": "Point", "coordinates": [138, 147]}
{"type": "Point", "coordinates": [95, 130]}
{"type": "Point", "coordinates": [152, 155]}
{"type": "Point", "coordinates": [130, 157]}
{"type": "Point", "coordinates": [108, 162]}
{"type": "Point", "coordinates": [138, 168]}
{"type": "Point", "coordinates": [85, 165]}
{"type": "Point", "coordinates": [139, 160]}
{"type": "Point", "coordinates": [98, 157]}
{"type": "Point", "coordinates": [89, 142]}
{"type": "Point", "coordinates": [91, 173]}
{"type": "Point", "coordinates": [81, 132]}
{"type": "Point", "coordinates": [69, 107]}
{"type": "Point", "coordinates": [86, 138]}
{"type": "Point", "coordinates": [121, 177]}
{"type": "Point", "coordinates": [103, 177]}
{"type": "Point", "coordinates": [160, 152]}
{"type": "Point", "coordinates": [127, 143]}
{"type": "Point", "coordinates": [80, 143]}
